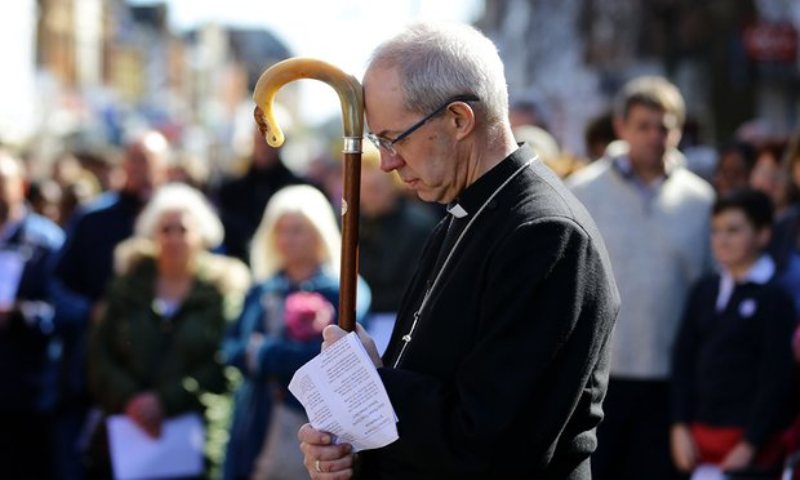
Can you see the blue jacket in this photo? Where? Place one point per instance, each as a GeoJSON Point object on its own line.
{"type": "Point", "coordinates": [278, 359]}
{"type": "Point", "coordinates": [28, 349]}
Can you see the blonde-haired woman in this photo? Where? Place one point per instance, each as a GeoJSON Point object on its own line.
{"type": "Point", "coordinates": [155, 348]}
{"type": "Point", "coordinates": [295, 262]}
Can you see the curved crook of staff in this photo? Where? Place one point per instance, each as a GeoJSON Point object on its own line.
{"type": "Point", "coordinates": [352, 100]}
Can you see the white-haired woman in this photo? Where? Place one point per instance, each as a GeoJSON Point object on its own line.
{"type": "Point", "coordinates": [295, 260]}
{"type": "Point", "coordinates": [155, 348]}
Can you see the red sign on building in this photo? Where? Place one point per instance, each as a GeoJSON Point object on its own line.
{"type": "Point", "coordinates": [771, 42]}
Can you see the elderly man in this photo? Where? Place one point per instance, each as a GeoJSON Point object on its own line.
{"type": "Point", "coordinates": [499, 358]}
{"type": "Point", "coordinates": [27, 353]}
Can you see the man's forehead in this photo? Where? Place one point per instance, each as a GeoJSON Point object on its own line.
{"type": "Point", "coordinates": [645, 112]}
{"type": "Point", "coordinates": [384, 99]}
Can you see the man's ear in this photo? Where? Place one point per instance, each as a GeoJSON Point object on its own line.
{"type": "Point", "coordinates": [462, 118]}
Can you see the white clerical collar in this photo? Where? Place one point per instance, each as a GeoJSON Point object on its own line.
{"type": "Point", "coordinates": [761, 272]}
{"type": "Point", "coordinates": [457, 210]}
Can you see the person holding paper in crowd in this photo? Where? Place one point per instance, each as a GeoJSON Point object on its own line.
{"type": "Point", "coordinates": [155, 348]}
{"type": "Point", "coordinates": [498, 362]}
{"type": "Point", "coordinates": [79, 279]}
{"type": "Point", "coordinates": [294, 258]}
{"type": "Point", "coordinates": [27, 354]}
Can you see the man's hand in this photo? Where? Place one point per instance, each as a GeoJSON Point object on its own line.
{"type": "Point", "coordinates": [146, 411]}
{"type": "Point", "coordinates": [333, 333]}
{"type": "Point", "coordinates": [323, 460]}
{"type": "Point", "coordinates": [684, 451]}
{"type": "Point", "coordinates": [738, 458]}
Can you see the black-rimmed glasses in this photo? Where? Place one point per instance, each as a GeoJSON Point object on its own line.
{"type": "Point", "coordinates": [388, 143]}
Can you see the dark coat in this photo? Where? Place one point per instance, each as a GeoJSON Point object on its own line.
{"type": "Point", "coordinates": [27, 360]}
{"type": "Point", "coordinates": [388, 251]}
{"type": "Point", "coordinates": [242, 201]}
{"type": "Point", "coordinates": [134, 348]}
{"type": "Point", "coordinates": [508, 365]}
{"type": "Point", "coordinates": [734, 368]}
{"type": "Point", "coordinates": [81, 272]}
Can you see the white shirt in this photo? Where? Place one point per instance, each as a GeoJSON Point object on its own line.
{"type": "Point", "coordinates": [761, 272]}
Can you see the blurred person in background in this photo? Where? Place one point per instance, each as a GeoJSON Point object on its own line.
{"type": "Point", "coordinates": [80, 275]}
{"type": "Point", "coordinates": [527, 108]}
{"type": "Point", "coordinates": [783, 188]}
{"type": "Point", "coordinates": [242, 200]}
{"type": "Point", "coordinates": [28, 348]}
{"type": "Point", "coordinates": [78, 186]}
{"type": "Point", "coordinates": [392, 233]}
{"type": "Point", "coordinates": [653, 215]}
{"type": "Point", "coordinates": [44, 198]}
{"type": "Point", "coordinates": [189, 169]}
{"type": "Point", "coordinates": [732, 360]}
{"type": "Point", "coordinates": [548, 150]}
{"type": "Point", "coordinates": [295, 262]}
{"type": "Point", "coordinates": [735, 164]}
{"type": "Point", "coordinates": [154, 349]}
{"type": "Point", "coordinates": [771, 176]}
{"type": "Point", "coordinates": [326, 173]}
{"type": "Point", "coordinates": [598, 135]}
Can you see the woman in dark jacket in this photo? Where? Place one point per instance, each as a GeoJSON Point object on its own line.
{"type": "Point", "coordinates": [155, 348]}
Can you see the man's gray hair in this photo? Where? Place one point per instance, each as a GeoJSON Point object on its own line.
{"type": "Point", "coordinates": [437, 61]}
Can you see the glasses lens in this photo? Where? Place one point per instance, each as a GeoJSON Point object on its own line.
{"type": "Point", "coordinates": [373, 139]}
{"type": "Point", "coordinates": [380, 142]}
{"type": "Point", "coordinates": [168, 229]}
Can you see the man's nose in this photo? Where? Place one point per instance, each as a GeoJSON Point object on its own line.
{"type": "Point", "coordinates": [390, 161]}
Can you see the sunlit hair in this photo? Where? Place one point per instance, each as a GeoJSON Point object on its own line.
{"type": "Point", "coordinates": [11, 166]}
{"type": "Point", "coordinates": [183, 198]}
{"type": "Point", "coordinates": [653, 92]}
{"type": "Point", "coordinates": [304, 200]}
{"type": "Point", "coordinates": [437, 61]}
{"type": "Point", "coordinates": [150, 141]}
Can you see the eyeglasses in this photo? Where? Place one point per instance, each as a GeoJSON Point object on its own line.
{"type": "Point", "coordinates": [168, 229]}
{"type": "Point", "coordinates": [388, 143]}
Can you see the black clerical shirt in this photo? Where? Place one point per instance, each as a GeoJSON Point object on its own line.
{"type": "Point", "coordinates": [508, 364]}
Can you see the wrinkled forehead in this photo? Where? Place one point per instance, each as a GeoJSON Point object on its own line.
{"type": "Point", "coordinates": [384, 98]}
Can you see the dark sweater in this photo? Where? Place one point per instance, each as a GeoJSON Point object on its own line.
{"type": "Point", "coordinates": [241, 203]}
{"type": "Point", "coordinates": [734, 368]}
{"type": "Point", "coordinates": [81, 274]}
{"type": "Point", "coordinates": [508, 366]}
{"type": "Point", "coordinates": [27, 362]}
{"type": "Point", "coordinates": [389, 249]}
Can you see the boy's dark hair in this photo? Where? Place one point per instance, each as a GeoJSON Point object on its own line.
{"type": "Point", "coordinates": [755, 205]}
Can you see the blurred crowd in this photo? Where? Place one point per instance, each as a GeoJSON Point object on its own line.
{"type": "Point", "coordinates": [134, 284]}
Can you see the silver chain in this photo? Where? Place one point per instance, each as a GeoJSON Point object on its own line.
{"type": "Point", "coordinates": [408, 336]}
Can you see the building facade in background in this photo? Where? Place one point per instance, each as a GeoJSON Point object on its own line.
{"type": "Point", "coordinates": [736, 62]}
